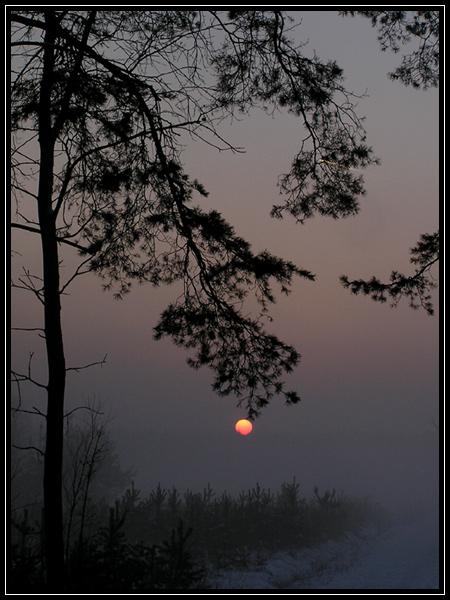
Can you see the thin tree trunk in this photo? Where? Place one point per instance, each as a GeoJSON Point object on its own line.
{"type": "Point", "coordinates": [48, 130]}
{"type": "Point", "coordinates": [54, 544]}
{"type": "Point", "coordinates": [53, 520]}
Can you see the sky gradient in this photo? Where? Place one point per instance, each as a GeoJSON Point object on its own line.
{"type": "Point", "coordinates": [369, 374]}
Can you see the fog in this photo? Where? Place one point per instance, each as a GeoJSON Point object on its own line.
{"type": "Point", "coordinates": [399, 471]}
{"type": "Point", "coordinates": [369, 374]}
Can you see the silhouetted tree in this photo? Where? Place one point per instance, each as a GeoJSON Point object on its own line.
{"type": "Point", "coordinates": [86, 446]}
{"type": "Point", "coordinates": [416, 287]}
{"type": "Point", "coordinates": [99, 99]}
{"type": "Point", "coordinates": [396, 28]}
{"type": "Point", "coordinates": [420, 69]}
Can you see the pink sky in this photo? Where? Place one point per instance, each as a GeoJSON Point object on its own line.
{"type": "Point", "coordinates": [369, 375]}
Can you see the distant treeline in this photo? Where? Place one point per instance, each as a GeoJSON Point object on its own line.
{"type": "Point", "coordinates": [169, 539]}
{"type": "Point", "coordinates": [225, 526]}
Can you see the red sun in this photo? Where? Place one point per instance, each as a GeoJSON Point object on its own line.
{"type": "Point", "coordinates": [243, 427]}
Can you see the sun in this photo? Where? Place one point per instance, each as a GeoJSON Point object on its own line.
{"type": "Point", "coordinates": [243, 427]}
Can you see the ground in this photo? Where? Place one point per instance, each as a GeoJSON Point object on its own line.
{"type": "Point", "coordinates": [403, 556]}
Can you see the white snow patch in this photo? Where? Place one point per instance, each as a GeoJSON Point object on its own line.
{"type": "Point", "coordinates": [406, 556]}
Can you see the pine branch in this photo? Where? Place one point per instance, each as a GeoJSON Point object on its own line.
{"type": "Point", "coordinates": [416, 287]}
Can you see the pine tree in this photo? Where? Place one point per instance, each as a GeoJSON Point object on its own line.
{"type": "Point", "coordinates": [98, 99]}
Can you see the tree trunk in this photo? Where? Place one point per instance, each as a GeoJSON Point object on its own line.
{"type": "Point", "coordinates": [53, 523]}
{"type": "Point", "coordinates": [53, 519]}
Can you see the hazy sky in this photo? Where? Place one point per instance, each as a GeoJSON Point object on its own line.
{"type": "Point", "coordinates": [368, 377]}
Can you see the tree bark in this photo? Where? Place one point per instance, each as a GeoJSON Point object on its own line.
{"type": "Point", "coordinates": [53, 519]}
{"type": "Point", "coordinates": [53, 523]}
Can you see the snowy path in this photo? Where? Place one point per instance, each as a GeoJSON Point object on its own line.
{"type": "Point", "coordinates": [404, 557]}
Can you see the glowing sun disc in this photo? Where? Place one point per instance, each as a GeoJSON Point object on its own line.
{"type": "Point", "coordinates": [243, 427]}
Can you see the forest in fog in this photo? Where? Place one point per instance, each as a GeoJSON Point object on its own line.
{"type": "Point", "coordinates": [119, 540]}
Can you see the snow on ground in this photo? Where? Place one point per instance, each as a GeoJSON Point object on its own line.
{"type": "Point", "coordinates": [405, 556]}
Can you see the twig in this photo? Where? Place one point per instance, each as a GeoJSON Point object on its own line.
{"type": "Point", "coordinates": [38, 450]}
{"type": "Point", "coordinates": [18, 377]}
{"type": "Point", "coordinates": [97, 412]}
{"type": "Point", "coordinates": [99, 362]}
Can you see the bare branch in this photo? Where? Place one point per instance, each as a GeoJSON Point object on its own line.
{"type": "Point", "coordinates": [19, 377]}
{"type": "Point", "coordinates": [27, 329]}
{"type": "Point", "coordinates": [89, 408]}
{"type": "Point", "coordinates": [62, 240]}
{"type": "Point", "coordinates": [28, 284]}
{"type": "Point", "coordinates": [38, 450]}
{"type": "Point", "coordinates": [93, 364]}
{"type": "Point", "coordinates": [35, 411]}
